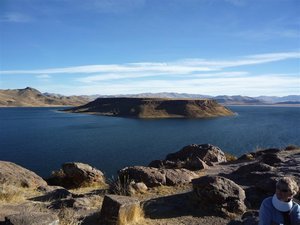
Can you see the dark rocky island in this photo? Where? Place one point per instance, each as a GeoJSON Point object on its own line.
{"type": "Point", "coordinates": [154, 108]}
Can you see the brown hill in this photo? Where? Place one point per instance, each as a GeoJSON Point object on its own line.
{"type": "Point", "coordinates": [29, 97]}
{"type": "Point", "coordinates": [154, 108]}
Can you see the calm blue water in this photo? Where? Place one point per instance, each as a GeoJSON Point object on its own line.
{"type": "Point", "coordinates": [41, 139]}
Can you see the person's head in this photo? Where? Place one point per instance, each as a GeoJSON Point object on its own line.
{"type": "Point", "coordinates": [286, 188]}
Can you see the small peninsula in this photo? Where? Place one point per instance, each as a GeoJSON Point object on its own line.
{"type": "Point", "coordinates": [154, 108]}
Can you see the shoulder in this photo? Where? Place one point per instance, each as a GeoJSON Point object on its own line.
{"type": "Point", "coordinates": [296, 206]}
{"type": "Point", "coordinates": [266, 204]}
{"type": "Point", "coordinates": [267, 201]}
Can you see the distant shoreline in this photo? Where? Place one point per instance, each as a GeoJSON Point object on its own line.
{"type": "Point", "coordinates": [64, 106]}
{"type": "Point", "coordinates": [267, 105]}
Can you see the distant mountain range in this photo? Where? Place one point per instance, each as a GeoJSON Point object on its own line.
{"type": "Point", "coordinates": [223, 99]}
{"type": "Point", "coordinates": [29, 97]}
{"type": "Point", "coordinates": [32, 97]}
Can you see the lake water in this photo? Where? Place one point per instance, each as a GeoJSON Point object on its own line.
{"type": "Point", "coordinates": [41, 139]}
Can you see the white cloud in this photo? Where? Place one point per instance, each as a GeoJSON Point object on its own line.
{"type": "Point", "coordinates": [188, 75]}
{"type": "Point", "coordinates": [280, 85]}
{"type": "Point", "coordinates": [43, 76]}
{"type": "Point", "coordinates": [185, 66]}
{"type": "Point", "coordinates": [244, 61]}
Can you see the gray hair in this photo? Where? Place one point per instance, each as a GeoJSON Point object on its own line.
{"type": "Point", "coordinates": [290, 183]}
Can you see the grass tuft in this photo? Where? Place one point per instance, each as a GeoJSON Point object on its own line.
{"type": "Point", "coordinates": [68, 217]}
{"type": "Point", "coordinates": [119, 186]}
{"type": "Point", "coordinates": [11, 194]}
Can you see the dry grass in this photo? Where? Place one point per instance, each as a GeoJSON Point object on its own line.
{"type": "Point", "coordinates": [12, 194]}
{"type": "Point", "coordinates": [230, 157]}
{"type": "Point", "coordinates": [163, 191]}
{"type": "Point", "coordinates": [131, 214]}
{"type": "Point", "coordinates": [68, 217]}
{"type": "Point", "coordinates": [291, 147]}
{"type": "Point", "coordinates": [89, 189]}
{"type": "Point", "coordinates": [118, 186]}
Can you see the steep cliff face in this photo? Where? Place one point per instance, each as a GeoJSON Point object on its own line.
{"type": "Point", "coordinates": [154, 108]}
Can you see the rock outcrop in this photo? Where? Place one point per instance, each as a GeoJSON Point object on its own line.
{"type": "Point", "coordinates": [226, 191]}
{"type": "Point", "coordinates": [75, 174]}
{"type": "Point", "coordinates": [153, 177]}
{"type": "Point", "coordinates": [219, 194]}
{"type": "Point", "coordinates": [154, 108]}
{"type": "Point", "coordinates": [120, 210]}
{"type": "Point", "coordinates": [192, 157]}
{"type": "Point", "coordinates": [15, 176]}
{"type": "Point", "coordinates": [32, 218]}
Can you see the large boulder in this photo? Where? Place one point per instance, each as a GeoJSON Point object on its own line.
{"type": "Point", "coordinates": [153, 177]}
{"type": "Point", "coordinates": [32, 218]}
{"type": "Point", "coordinates": [179, 176]}
{"type": "Point", "coordinates": [76, 174]}
{"type": "Point", "coordinates": [248, 218]}
{"type": "Point", "coordinates": [205, 152]}
{"type": "Point", "coordinates": [13, 175]}
{"type": "Point", "coordinates": [271, 159]}
{"type": "Point", "coordinates": [243, 171]}
{"type": "Point", "coordinates": [219, 194]}
{"type": "Point", "coordinates": [120, 210]}
{"type": "Point", "coordinates": [192, 157]}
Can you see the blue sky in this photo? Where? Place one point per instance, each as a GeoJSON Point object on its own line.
{"type": "Point", "coordinates": [214, 47]}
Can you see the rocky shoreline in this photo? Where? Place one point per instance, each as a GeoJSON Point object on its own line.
{"type": "Point", "coordinates": [199, 184]}
{"type": "Point", "coordinates": [153, 108]}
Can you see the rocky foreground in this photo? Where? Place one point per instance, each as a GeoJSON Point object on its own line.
{"type": "Point", "coordinates": [154, 108]}
{"type": "Point", "coordinates": [199, 184]}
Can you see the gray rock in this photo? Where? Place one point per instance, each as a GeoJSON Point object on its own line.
{"type": "Point", "coordinates": [120, 210]}
{"type": "Point", "coordinates": [219, 194]}
{"type": "Point", "coordinates": [196, 164]}
{"type": "Point", "coordinates": [56, 194]}
{"type": "Point", "coordinates": [16, 176]}
{"type": "Point", "coordinates": [150, 176]}
{"type": "Point", "coordinates": [179, 176]}
{"type": "Point", "coordinates": [75, 174]}
{"type": "Point", "coordinates": [166, 164]}
{"type": "Point", "coordinates": [248, 218]}
{"type": "Point", "coordinates": [192, 157]}
{"type": "Point", "coordinates": [205, 152]}
{"type": "Point", "coordinates": [154, 177]}
{"type": "Point", "coordinates": [272, 159]}
{"type": "Point", "coordinates": [257, 167]}
{"type": "Point", "coordinates": [139, 187]}
{"type": "Point", "coordinates": [32, 218]}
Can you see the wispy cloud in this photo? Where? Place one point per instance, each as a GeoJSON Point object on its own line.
{"type": "Point", "coordinates": [201, 76]}
{"type": "Point", "coordinates": [185, 66]}
{"type": "Point", "coordinates": [122, 76]}
{"type": "Point", "coordinates": [280, 85]}
{"type": "Point", "coordinates": [15, 17]}
{"type": "Point", "coordinates": [43, 76]}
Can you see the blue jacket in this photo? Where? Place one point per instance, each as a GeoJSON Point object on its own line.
{"type": "Point", "coordinates": [268, 215]}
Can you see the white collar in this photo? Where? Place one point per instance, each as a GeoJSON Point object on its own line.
{"type": "Point", "coordinates": [280, 205]}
